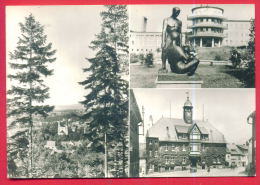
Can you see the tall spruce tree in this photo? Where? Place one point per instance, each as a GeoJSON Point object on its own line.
{"type": "Point", "coordinates": [28, 92]}
{"type": "Point", "coordinates": [106, 104]}
{"type": "Point", "coordinates": [250, 71]}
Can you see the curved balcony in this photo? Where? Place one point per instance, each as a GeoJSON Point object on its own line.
{"type": "Point", "coordinates": [207, 24]}
{"type": "Point", "coordinates": [191, 17]}
{"type": "Point", "coordinates": [207, 34]}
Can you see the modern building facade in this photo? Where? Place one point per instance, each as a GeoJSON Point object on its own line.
{"type": "Point", "coordinates": [207, 26]}
{"type": "Point", "coordinates": [183, 142]}
{"type": "Point", "coordinates": [135, 119]}
{"type": "Point", "coordinates": [145, 42]}
{"type": "Point", "coordinates": [237, 32]}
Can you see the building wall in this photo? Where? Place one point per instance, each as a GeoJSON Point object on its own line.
{"type": "Point", "coordinates": [165, 155]}
{"type": "Point", "coordinates": [237, 32]}
{"type": "Point", "coordinates": [235, 159]}
{"type": "Point", "coordinates": [135, 119]}
{"type": "Point", "coordinates": [148, 42]}
{"type": "Point", "coordinates": [145, 42]}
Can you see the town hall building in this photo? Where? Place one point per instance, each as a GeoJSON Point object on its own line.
{"type": "Point", "coordinates": [186, 142]}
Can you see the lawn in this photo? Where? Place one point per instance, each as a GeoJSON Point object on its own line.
{"type": "Point", "coordinates": [216, 76]}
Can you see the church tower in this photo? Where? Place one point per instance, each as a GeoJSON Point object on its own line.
{"type": "Point", "coordinates": [187, 111]}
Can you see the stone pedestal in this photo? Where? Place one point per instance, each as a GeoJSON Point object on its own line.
{"type": "Point", "coordinates": [172, 80]}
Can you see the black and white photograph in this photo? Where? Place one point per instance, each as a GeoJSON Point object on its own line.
{"type": "Point", "coordinates": [67, 91]}
{"type": "Point", "coordinates": [118, 91]}
{"type": "Point", "coordinates": [192, 133]}
{"type": "Point", "coordinates": [192, 46]}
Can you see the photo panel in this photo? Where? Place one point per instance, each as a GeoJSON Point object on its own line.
{"type": "Point", "coordinates": [192, 132]}
{"type": "Point", "coordinates": [67, 91]}
{"type": "Point", "coordinates": [192, 46]}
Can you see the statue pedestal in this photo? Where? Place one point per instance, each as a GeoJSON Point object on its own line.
{"type": "Point", "coordinates": [173, 80]}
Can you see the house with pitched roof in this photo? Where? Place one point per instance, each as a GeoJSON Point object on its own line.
{"type": "Point", "coordinates": [236, 155]}
{"type": "Point", "coordinates": [172, 142]}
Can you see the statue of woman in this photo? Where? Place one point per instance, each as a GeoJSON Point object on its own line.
{"type": "Point", "coordinates": [180, 61]}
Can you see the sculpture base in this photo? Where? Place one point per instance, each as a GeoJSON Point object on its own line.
{"type": "Point", "coordinates": [173, 80]}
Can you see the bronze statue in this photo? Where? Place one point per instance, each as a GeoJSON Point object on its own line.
{"type": "Point", "coordinates": [181, 59]}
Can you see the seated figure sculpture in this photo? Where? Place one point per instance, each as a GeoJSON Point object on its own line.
{"type": "Point", "coordinates": [181, 59]}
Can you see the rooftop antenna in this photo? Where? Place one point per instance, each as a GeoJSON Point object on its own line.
{"type": "Point", "coordinates": [188, 95]}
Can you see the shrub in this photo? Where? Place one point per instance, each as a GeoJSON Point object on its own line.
{"type": "Point", "coordinates": [133, 58]}
{"type": "Point", "coordinates": [218, 58]}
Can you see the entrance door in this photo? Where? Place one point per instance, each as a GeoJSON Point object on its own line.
{"type": "Point", "coordinates": [194, 162]}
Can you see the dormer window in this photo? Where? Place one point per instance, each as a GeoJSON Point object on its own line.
{"type": "Point", "coordinates": [195, 133]}
{"type": "Point", "coordinates": [195, 136]}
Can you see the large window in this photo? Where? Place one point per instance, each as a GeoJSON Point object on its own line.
{"type": "Point", "coordinates": [195, 136]}
{"type": "Point", "coordinates": [156, 154]}
{"type": "Point", "coordinates": [194, 147]}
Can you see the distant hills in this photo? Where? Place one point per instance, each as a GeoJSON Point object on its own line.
{"type": "Point", "coordinates": [68, 107]}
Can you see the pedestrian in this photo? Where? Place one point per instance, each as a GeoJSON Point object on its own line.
{"type": "Point", "coordinates": [208, 168]}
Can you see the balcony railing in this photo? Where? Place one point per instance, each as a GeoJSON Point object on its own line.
{"type": "Point", "coordinates": [190, 17]}
{"type": "Point", "coordinates": [207, 34]}
{"type": "Point", "coordinates": [207, 24]}
{"type": "Point", "coordinates": [194, 153]}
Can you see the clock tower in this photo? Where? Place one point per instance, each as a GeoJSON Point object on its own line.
{"type": "Point", "coordinates": [187, 111]}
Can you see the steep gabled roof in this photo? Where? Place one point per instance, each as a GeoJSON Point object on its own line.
{"type": "Point", "coordinates": [234, 150]}
{"type": "Point", "coordinates": [159, 130]}
{"type": "Point", "coordinates": [182, 129]}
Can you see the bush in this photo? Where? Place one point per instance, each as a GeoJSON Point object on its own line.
{"type": "Point", "coordinates": [133, 58]}
{"type": "Point", "coordinates": [218, 58]}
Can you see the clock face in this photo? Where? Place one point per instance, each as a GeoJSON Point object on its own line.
{"type": "Point", "coordinates": [188, 115]}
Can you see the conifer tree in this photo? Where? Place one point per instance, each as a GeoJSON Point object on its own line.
{"type": "Point", "coordinates": [250, 71]}
{"type": "Point", "coordinates": [28, 92]}
{"type": "Point", "coordinates": [106, 104]}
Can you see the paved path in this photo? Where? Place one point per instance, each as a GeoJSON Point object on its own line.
{"type": "Point", "coordinates": [202, 173]}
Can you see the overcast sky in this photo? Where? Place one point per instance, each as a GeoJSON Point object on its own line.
{"type": "Point", "coordinates": [156, 13]}
{"type": "Point", "coordinates": [70, 29]}
{"type": "Point", "coordinates": [226, 109]}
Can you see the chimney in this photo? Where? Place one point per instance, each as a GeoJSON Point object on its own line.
{"type": "Point", "coordinates": [168, 133]}
{"type": "Point", "coordinates": [144, 24]}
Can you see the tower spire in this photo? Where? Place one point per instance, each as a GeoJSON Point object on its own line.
{"type": "Point", "coordinates": [188, 94]}
{"type": "Point", "coordinates": [187, 110]}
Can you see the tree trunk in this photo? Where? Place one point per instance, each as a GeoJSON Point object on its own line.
{"type": "Point", "coordinates": [105, 161]}
{"type": "Point", "coordinates": [124, 157]}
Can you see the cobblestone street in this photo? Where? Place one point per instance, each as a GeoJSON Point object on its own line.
{"type": "Point", "coordinates": [240, 171]}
